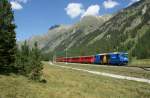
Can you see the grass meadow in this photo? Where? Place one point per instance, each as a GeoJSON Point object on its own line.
{"type": "Point", "coordinates": [65, 83]}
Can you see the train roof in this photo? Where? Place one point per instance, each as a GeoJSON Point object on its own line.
{"type": "Point", "coordinates": [98, 54]}
{"type": "Point", "coordinates": [79, 56]}
{"type": "Point", "coordinates": [113, 53]}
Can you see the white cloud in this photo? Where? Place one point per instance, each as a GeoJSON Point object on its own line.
{"type": "Point", "coordinates": [15, 5]}
{"type": "Point", "coordinates": [22, 1]}
{"type": "Point", "coordinates": [133, 1]}
{"type": "Point", "coordinates": [110, 4]}
{"type": "Point", "coordinates": [92, 10]}
{"type": "Point", "coordinates": [74, 9]}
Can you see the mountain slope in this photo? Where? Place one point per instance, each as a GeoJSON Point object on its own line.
{"type": "Point", "coordinates": [59, 34]}
{"type": "Point", "coordinates": [124, 31]}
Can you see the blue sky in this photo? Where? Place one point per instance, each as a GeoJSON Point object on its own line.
{"type": "Point", "coordinates": [35, 17]}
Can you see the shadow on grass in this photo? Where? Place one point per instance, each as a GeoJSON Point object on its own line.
{"type": "Point", "coordinates": [5, 70]}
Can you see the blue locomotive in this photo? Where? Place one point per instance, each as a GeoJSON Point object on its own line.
{"type": "Point", "coordinates": [116, 58]}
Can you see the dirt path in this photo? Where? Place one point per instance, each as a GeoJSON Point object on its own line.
{"type": "Point", "coordinates": [105, 74]}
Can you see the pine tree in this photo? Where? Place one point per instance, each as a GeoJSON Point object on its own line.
{"type": "Point", "coordinates": [7, 35]}
{"type": "Point", "coordinates": [36, 63]}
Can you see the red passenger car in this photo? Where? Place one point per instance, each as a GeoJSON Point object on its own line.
{"type": "Point", "coordinates": [87, 59]}
{"type": "Point", "coordinates": [81, 59]}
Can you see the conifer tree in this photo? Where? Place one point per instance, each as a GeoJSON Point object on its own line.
{"type": "Point", "coordinates": [36, 65]}
{"type": "Point", "coordinates": [7, 35]}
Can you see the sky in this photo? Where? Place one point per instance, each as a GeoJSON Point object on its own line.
{"type": "Point", "coordinates": [35, 17]}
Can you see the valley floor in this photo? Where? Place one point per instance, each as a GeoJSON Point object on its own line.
{"type": "Point", "coordinates": [66, 83]}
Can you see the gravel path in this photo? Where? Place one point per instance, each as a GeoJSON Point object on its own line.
{"type": "Point", "coordinates": [105, 74]}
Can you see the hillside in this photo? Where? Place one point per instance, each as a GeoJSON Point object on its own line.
{"type": "Point", "coordinates": [128, 30]}
{"type": "Point", "coordinates": [52, 38]}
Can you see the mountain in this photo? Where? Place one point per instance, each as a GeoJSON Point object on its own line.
{"type": "Point", "coordinates": [128, 30]}
{"type": "Point", "coordinates": [53, 36]}
{"type": "Point", "coordinates": [59, 33]}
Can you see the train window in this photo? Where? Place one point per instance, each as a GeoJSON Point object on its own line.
{"type": "Point", "coordinates": [113, 56]}
{"type": "Point", "coordinates": [125, 55]}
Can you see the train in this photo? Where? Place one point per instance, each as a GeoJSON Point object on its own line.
{"type": "Point", "coordinates": [114, 58]}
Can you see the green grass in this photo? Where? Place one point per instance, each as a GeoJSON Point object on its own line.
{"type": "Point", "coordinates": [121, 70]}
{"type": "Point", "coordinates": [65, 83]}
{"type": "Point", "coordinates": [141, 63]}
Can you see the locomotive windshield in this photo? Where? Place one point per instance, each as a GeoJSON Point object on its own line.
{"type": "Point", "coordinates": [125, 55]}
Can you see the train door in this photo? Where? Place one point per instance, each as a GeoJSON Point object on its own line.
{"type": "Point", "coordinates": [97, 59]}
{"type": "Point", "coordinates": [105, 59]}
